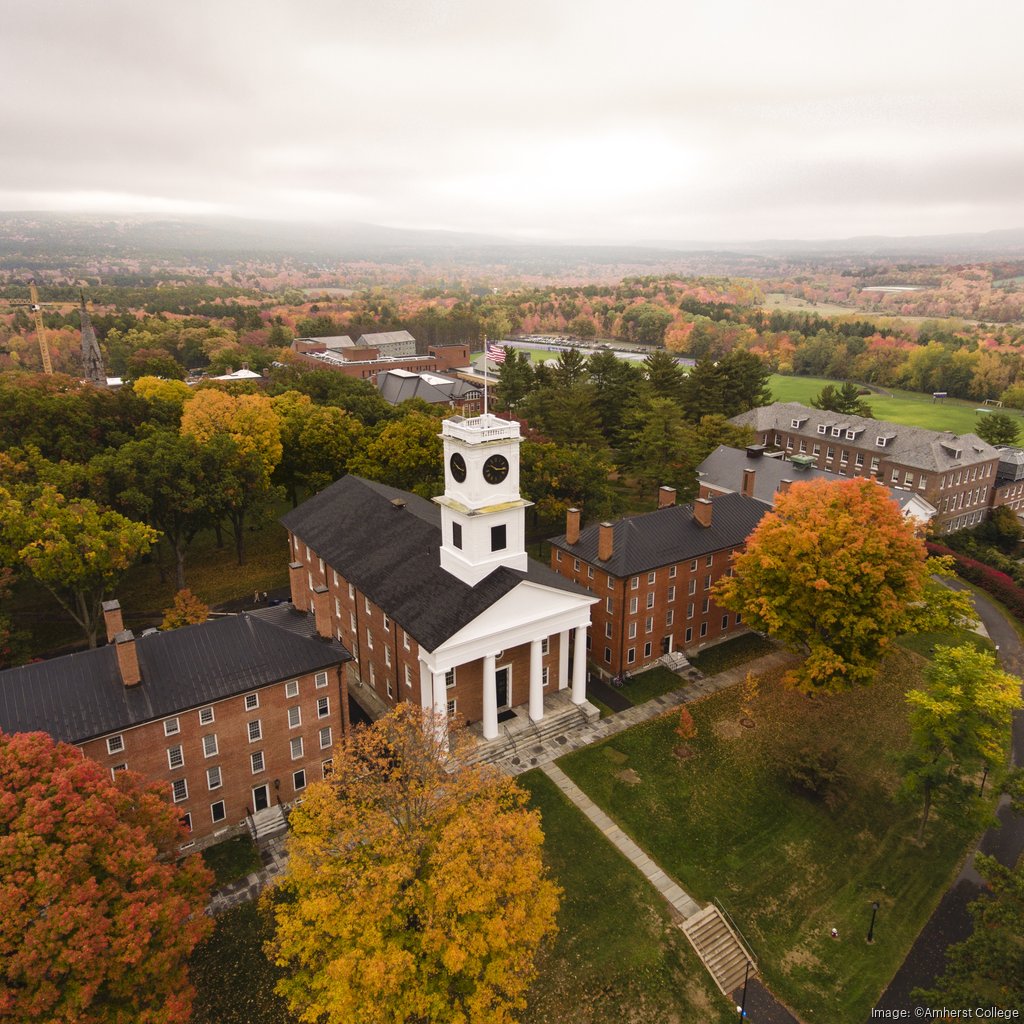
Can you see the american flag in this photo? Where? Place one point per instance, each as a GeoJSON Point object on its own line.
{"type": "Point", "coordinates": [496, 353]}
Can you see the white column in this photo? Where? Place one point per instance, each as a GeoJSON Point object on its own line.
{"type": "Point", "coordinates": [426, 686]}
{"type": "Point", "coordinates": [579, 666]}
{"type": "Point", "coordinates": [536, 682]}
{"type": "Point", "coordinates": [490, 699]}
{"type": "Point", "coordinates": [563, 659]}
{"type": "Point", "coordinates": [441, 705]}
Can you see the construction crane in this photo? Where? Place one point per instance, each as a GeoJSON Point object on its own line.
{"type": "Point", "coordinates": [37, 311]}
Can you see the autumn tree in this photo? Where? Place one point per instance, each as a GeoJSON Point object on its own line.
{"type": "Point", "coordinates": [415, 888]}
{"type": "Point", "coordinates": [556, 477]}
{"type": "Point", "coordinates": [74, 548]}
{"type": "Point", "coordinates": [187, 610]}
{"type": "Point", "coordinates": [998, 428]}
{"type": "Point", "coordinates": [97, 920]}
{"type": "Point", "coordinates": [845, 400]}
{"type": "Point", "coordinates": [959, 724]}
{"type": "Point", "coordinates": [405, 453]}
{"type": "Point", "coordinates": [836, 572]}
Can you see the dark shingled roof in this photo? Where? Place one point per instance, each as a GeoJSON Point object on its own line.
{"type": "Point", "coordinates": [392, 554]}
{"type": "Point", "coordinates": [668, 535]}
{"type": "Point", "coordinates": [81, 696]}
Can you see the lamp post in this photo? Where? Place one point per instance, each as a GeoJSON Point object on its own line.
{"type": "Point", "coordinates": [871, 927]}
{"type": "Point", "coordinates": [743, 1001]}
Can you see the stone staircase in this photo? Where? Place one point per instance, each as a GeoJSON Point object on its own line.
{"type": "Point", "coordinates": [266, 823]}
{"type": "Point", "coordinates": [719, 948]}
{"type": "Point", "coordinates": [522, 736]}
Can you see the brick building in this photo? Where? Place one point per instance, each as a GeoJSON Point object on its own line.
{"type": "Point", "coordinates": [653, 574]}
{"type": "Point", "coordinates": [367, 363]}
{"type": "Point", "coordinates": [1010, 480]}
{"type": "Point", "coordinates": [438, 601]}
{"type": "Point", "coordinates": [234, 716]}
{"type": "Point", "coordinates": [954, 473]}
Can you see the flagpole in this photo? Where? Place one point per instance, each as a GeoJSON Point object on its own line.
{"type": "Point", "coordinates": [485, 375]}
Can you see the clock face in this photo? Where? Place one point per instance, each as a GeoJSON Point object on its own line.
{"type": "Point", "coordinates": [496, 469]}
{"type": "Point", "coordinates": [457, 464]}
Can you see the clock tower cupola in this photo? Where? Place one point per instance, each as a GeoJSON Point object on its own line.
{"type": "Point", "coordinates": [483, 525]}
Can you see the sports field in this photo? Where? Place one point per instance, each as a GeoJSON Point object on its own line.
{"type": "Point", "coordinates": [903, 407]}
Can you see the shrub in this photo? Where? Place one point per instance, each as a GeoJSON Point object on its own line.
{"type": "Point", "coordinates": [816, 772]}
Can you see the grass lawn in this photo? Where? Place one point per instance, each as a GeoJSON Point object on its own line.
{"type": "Point", "coordinates": [231, 860]}
{"type": "Point", "coordinates": [925, 643]}
{"type": "Point", "coordinates": [652, 683]}
{"type": "Point", "coordinates": [907, 407]}
{"type": "Point", "coordinates": [234, 981]}
{"type": "Point", "coordinates": [728, 824]}
{"type": "Point", "coordinates": [616, 958]}
{"type": "Point", "coordinates": [731, 653]}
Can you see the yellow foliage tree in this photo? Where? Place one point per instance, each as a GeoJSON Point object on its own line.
{"type": "Point", "coordinates": [249, 420]}
{"type": "Point", "coordinates": [415, 888]}
{"type": "Point", "coordinates": [187, 610]}
{"type": "Point", "coordinates": [174, 392]}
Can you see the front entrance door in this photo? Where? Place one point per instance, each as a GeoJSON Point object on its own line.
{"type": "Point", "coordinates": [501, 681]}
{"type": "Point", "coordinates": [260, 797]}
{"type": "Point", "coordinates": [666, 644]}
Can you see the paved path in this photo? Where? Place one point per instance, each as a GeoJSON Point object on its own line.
{"type": "Point", "coordinates": [272, 851]}
{"type": "Point", "coordinates": [951, 923]}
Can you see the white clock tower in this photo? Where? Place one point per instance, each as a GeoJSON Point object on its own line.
{"type": "Point", "coordinates": [483, 525]}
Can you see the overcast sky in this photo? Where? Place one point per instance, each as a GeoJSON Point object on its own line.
{"type": "Point", "coordinates": [584, 120]}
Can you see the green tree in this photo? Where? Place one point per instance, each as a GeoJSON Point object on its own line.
{"type": "Point", "coordinates": [665, 376]}
{"type": "Point", "coordinates": [582, 327]}
{"type": "Point", "coordinates": [391, 909]}
{"type": "Point", "coordinates": [646, 323]}
{"type": "Point", "coordinates": [74, 548]}
{"type": "Point", "coordinates": [998, 428]}
{"type": "Point", "coordinates": [97, 916]}
{"type": "Point", "coordinates": [836, 572]}
{"type": "Point", "coordinates": [405, 453]}
{"type": "Point", "coordinates": [747, 377]}
{"type": "Point", "coordinates": [959, 724]}
{"type": "Point", "coordinates": [556, 477]}
{"type": "Point", "coordinates": [328, 387]}
{"type": "Point", "coordinates": [570, 368]}
{"type": "Point", "coordinates": [845, 400]}
{"type": "Point", "coordinates": [618, 384]}
{"type": "Point", "coordinates": [515, 381]}
{"type": "Point", "coordinates": [658, 452]}
{"type": "Point", "coordinates": [567, 416]}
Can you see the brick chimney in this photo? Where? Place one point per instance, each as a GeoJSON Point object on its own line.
{"type": "Point", "coordinates": [572, 526]}
{"type": "Point", "coordinates": [666, 497]}
{"type": "Point", "coordinates": [127, 658]}
{"type": "Point", "coordinates": [297, 583]}
{"type": "Point", "coordinates": [702, 511]}
{"type": "Point", "coordinates": [112, 619]}
{"type": "Point", "coordinates": [605, 541]}
{"type": "Point", "coordinates": [784, 485]}
{"type": "Point", "coordinates": [747, 490]}
{"type": "Point", "coordinates": [322, 611]}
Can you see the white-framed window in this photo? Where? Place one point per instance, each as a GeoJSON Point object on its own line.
{"type": "Point", "coordinates": [670, 616]}
{"type": "Point", "coordinates": [387, 656]}
{"type": "Point", "coordinates": [558, 556]}
{"type": "Point", "coordinates": [327, 768]}
{"type": "Point", "coordinates": [252, 701]}
{"type": "Point", "coordinates": [689, 635]}
{"type": "Point", "coordinates": [218, 812]}
{"type": "Point", "coordinates": [408, 676]}
{"type": "Point", "coordinates": [693, 565]}
{"type": "Point", "coordinates": [291, 689]}
{"type": "Point", "coordinates": [590, 572]}
{"type": "Point", "coordinates": [452, 707]}
{"type": "Point", "coordinates": [803, 447]}
{"type": "Point", "coordinates": [631, 656]}
{"type": "Point", "coordinates": [449, 678]}
{"type": "Point", "coordinates": [544, 676]}
{"type": "Point", "coordinates": [255, 728]}
{"type": "Point", "coordinates": [632, 631]}
{"type": "Point", "coordinates": [295, 746]}
{"type": "Point", "coordinates": [299, 780]}
{"type": "Point", "coordinates": [179, 790]}
{"type": "Point", "coordinates": [405, 640]}
{"type": "Point", "coordinates": [707, 582]}
{"type": "Point", "coordinates": [710, 560]}
{"type": "Point", "coordinates": [725, 622]}
{"type": "Point", "coordinates": [256, 761]}
{"type": "Point", "coordinates": [210, 745]}
{"type": "Point", "coordinates": [859, 461]}
{"type": "Point", "coordinates": [369, 640]}
{"type": "Point", "coordinates": [672, 572]}
{"type": "Point", "coordinates": [351, 592]}
{"type": "Point", "coordinates": [634, 583]}
{"type": "Point", "coordinates": [320, 679]}
{"type": "Point", "coordinates": [693, 587]}
{"type": "Point", "coordinates": [822, 428]}
{"type": "Point", "coordinates": [830, 453]}
{"type": "Point", "coordinates": [545, 646]}
{"type": "Point", "coordinates": [294, 717]}
{"type": "Point", "coordinates": [608, 630]}
{"type": "Point", "coordinates": [608, 605]}
{"type": "Point", "coordinates": [650, 599]}
{"type": "Point", "coordinates": [632, 606]}
{"type": "Point", "coordinates": [689, 610]}
{"type": "Point", "coordinates": [334, 576]}
{"type": "Point", "coordinates": [337, 607]}
{"type": "Point", "coordinates": [171, 727]}
{"type": "Point", "coordinates": [611, 583]}
{"type": "Point", "coordinates": [115, 744]}
{"type": "Point", "coordinates": [651, 577]}
{"type": "Point", "coordinates": [387, 624]}
{"type": "Point", "coordinates": [647, 649]}
{"type": "Point", "coordinates": [323, 705]}
{"type": "Point", "coordinates": [608, 655]}
{"type": "Point", "coordinates": [352, 621]}
{"type": "Point", "coordinates": [186, 820]}
{"type": "Point", "coordinates": [175, 757]}
{"type": "Point", "coordinates": [389, 688]}
{"type": "Point", "coordinates": [575, 565]}
{"type": "Point", "coordinates": [213, 778]}
{"type": "Point", "coordinates": [206, 716]}
{"type": "Point", "coordinates": [366, 605]}
{"type": "Point", "coordinates": [649, 624]}
{"type": "Point", "coordinates": [671, 593]}
{"type": "Point", "coordinates": [874, 463]}
{"type": "Point", "coordinates": [373, 675]}
{"type": "Point", "coordinates": [816, 450]}
{"type": "Point", "coordinates": [114, 769]}
{"type": "Point", "coordinates": [325, 737]}
{"type": "Point", "coordinates": [703, 629]}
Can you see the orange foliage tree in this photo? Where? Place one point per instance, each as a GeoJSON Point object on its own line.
{"type": "Point", "coordinates": [415, 887]}
{"type": "Point", "coordinates": [187, 610]}
{"type": "Point", "coordinates": [96, 920]}
{"type": "Point", "coordinates": [836, 572]}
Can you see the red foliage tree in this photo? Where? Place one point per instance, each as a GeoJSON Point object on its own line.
{"type": "Point", "coordinates": [97, 921]}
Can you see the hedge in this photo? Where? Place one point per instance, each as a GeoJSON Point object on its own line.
{"type": "Point", "coordinates": [996, 583]}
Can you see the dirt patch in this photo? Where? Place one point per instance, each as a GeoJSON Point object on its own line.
{"type": "Point", "coordinates": [682, 753]}
{"type": "Point", "coordinates": [800, 957]}
{"type": "Point", "coordinates": [727, 728]}
{"type": "Point", "coordinates": [629, 776]}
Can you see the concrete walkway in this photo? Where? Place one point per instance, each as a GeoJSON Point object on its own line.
{"type": "Point", "coordinates": [275, 859]}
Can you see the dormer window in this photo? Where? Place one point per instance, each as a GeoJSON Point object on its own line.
{"type": "Point", "coordinates": [798, 423]}
{"type": "Point", "coordinates": [822, 428]}
{"type": "Point", "coordinates": [881, 442]}
{"type": "Point", "coordinates": [836, 431]}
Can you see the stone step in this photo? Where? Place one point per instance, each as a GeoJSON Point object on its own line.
{"type": "Point", "coordinates": [268, 822]}
{"type": "Point", "coordinates": [719, 948]}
